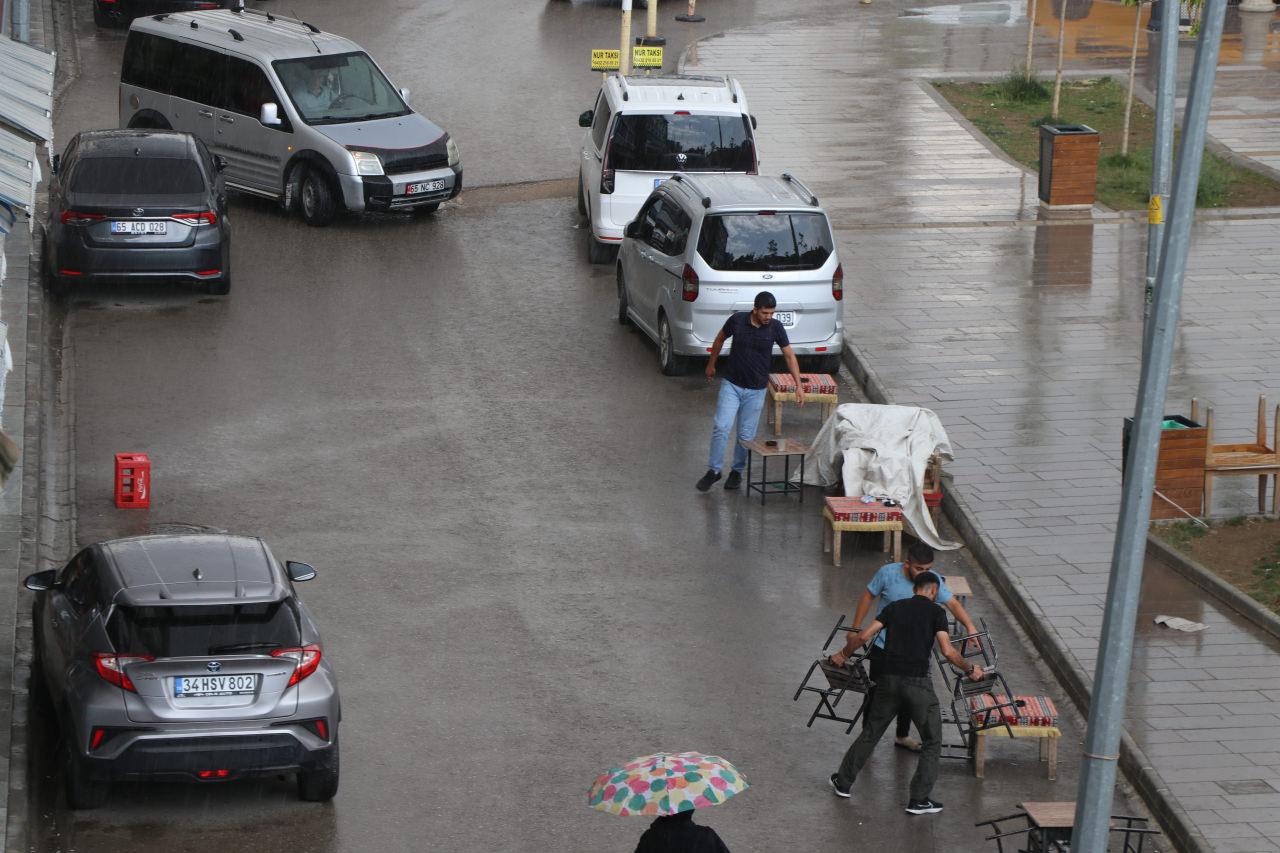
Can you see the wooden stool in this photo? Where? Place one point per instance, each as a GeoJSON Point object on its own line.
{"type": "Point", "coordinates": [1048, 736]}
{"type": "Point", "coordinates": [833, 531]}
{"type": "Point", "coordinates": [779, 393]}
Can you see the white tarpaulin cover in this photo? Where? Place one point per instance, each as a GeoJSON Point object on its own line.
{"type": "Point", "coordinates": [882, 451]}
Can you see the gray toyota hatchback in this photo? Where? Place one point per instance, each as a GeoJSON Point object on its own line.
{"type": "Point", "coordinates": [184, 656]}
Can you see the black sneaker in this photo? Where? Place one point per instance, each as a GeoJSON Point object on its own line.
{"type": "Point", "coordinates": [734, 481]}
{"type": "Point", "coordinates": [840, 792]}
{"type": "Point", "coordinates": [923, 806]}
{"type": "Point", "coordinates": [707, 479]}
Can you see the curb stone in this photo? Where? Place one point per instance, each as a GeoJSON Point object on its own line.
{"type": "Point", "coordinates": [1227, 593]}
{"type": "Point", "coordinates": [1173, 819]}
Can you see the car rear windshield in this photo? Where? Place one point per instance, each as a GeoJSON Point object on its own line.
{"type": "Point", "coordinates": [136, 176]}
{"type": "Point", "coordinates": [758, 241]}
{"type": "Point", "coordinates": [199, 630]}
{"type": "Point", "coordinates": [682, 143]}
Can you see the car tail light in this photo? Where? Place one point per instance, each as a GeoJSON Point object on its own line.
{"type": "Point", "coordinates": [111, 667]}
{"type": "Point", "coordinates": [70, 272]}
{"type": "Point", "coordinates": [305, 659]}
{"type": "Point", "coordinates": [212, 774]}
{"type": "Point", "coordinates": [689, 291]}
{"type": "Point", "coordinates": [683, 113]}
{"type": "Point", "coordinates": [75, 217]}
{"type": "Point", "coordinates": [837, 283]}
{"type": "Point", "coordinates": [606, 172]}
{"type": "Point", "coordinates": [208, 272]}
{"type": "Point", "coordinates": [201, 218]}
{"type": "Point", "coordinates": [95, 739]}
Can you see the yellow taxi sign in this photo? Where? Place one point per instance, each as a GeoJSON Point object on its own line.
{"type": "Point", "coordinates": [1155, 211]}
{"type": "Point", "coordinates": [606, 60]}
{"type": "Point", "coordinates": [646, 57]}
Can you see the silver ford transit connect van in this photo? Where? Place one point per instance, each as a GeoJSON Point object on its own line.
{"type": "Point", "coordinates": [300, 115]}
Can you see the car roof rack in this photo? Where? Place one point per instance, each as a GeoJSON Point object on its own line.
{"type": "Point", "coordinates": [804, 192]}
{"type": "Point", "coordinates": [734, 88]}
{"type": "Point", "coordinates": [235, 35]}
{"type": "Point", "coordinates": [684, 179]}
{"type": "Point", "coordinates": [273, 18]}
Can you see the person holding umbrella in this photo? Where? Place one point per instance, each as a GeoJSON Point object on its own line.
{"type": "Point", "coordinates": [669, 786]}
{"type": "Point", "coordinates": [914, 625]}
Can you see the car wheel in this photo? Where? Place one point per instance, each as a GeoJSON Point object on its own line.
{"type": "Point", "coordinates": [582, 197]}
{"type": "Point", "coordinates": [668, 362]}
{"type": "Point", "coordinates": [623, 303]}
{"type": "Point", "coordinates": [320, 785]}
{"type": "Point", "coordinates": [827, 364]}
{"type": "Point", "coordinates": [219, 287]}
{"type": "Point", "coordinates": [57, 287]}
{"type": "Point", "coordinates": [597, 252]}
{"type": "Point", "coordinates": [82, 792]}
{"type": "Point", "coordinates": [424, 209]}
{"type": "Point", "coordinates": [318, 206]}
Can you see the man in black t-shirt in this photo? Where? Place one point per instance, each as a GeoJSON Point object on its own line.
{"type": "Point", "coordinates": [742, 389]}
{"type": "Point", "coordinates": [913, 625]}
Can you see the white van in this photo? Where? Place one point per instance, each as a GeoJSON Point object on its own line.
{"type": "Point", "coordinates": [645, 129]}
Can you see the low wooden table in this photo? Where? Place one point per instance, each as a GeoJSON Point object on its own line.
{"type": "Point", "coordinates": [833, 531]}
{"type": "Point", "coordinates": [777, 398]}
{"type": "Point", "coordinates": [784, 447]}
{"type": "Point", "coordinates": [959, 587]}
{"type": "Point", "coordinates": [1048, 736]}
{"type": "Point", "coordinates": [1050, 822]}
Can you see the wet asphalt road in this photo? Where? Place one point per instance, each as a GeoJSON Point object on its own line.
{"type": "Point", "coordinates": [518, 585]}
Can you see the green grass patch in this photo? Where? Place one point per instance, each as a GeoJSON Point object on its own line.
{"type": "Point", "coordinates": [1010, 110]}
{"type": "Point", "coordinates": [1266, 585]}
{"type": "Point", "coordinates": [1180, 534]}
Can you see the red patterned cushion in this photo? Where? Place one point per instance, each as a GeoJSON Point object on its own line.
{"type": "Point", "coordinates": [1029, 710]}
{"type": "Point", "coordinates": [814, 383]}
{"type": "Point", "coordinates": [854, 509]}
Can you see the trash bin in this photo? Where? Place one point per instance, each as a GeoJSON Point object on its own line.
{"type": "Point", "coordinates": [1179, 466]}
{"type": "Point", "coordinates": [1068, 165]}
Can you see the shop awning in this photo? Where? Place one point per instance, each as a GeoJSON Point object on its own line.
{"type": "Point", "coordinates": [26, 98]}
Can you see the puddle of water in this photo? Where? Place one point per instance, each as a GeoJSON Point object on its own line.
{"type": "Point", "coordinates": [1006, 14]}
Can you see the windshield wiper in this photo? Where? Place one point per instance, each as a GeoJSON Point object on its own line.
{"type": "Point", "coordinates": [242, 647]}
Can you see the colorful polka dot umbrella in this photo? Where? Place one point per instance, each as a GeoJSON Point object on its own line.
{"type": "Point", "coordinates": [666, 783]}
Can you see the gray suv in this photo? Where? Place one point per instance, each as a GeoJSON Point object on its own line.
{"type": "Point", "coordinates": [184, 656]}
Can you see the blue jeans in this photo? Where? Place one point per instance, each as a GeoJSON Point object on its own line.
{"type": "Point", "coordinates": [745, 404]}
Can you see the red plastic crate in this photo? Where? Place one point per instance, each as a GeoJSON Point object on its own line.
{"type": "Point", "coordinates": [133, 481]}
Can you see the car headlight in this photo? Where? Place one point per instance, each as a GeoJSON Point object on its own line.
{"type": "Point", "coordinates": [366, 163]}
{"type": "Point", "coordinates": [452, 148]}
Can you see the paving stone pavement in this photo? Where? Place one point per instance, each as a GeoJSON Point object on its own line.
{"type": "Point", "coordinates": [1023, 335]}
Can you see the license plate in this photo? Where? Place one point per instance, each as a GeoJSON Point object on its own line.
{"type": "Point", "coordinates": [139, 227]}
{"type": "Point", "coordinates": [786, 318]}
{"type": "Point", "coordinates": [193, 686]}
{"type": "Point", "coordinates": [425, 187]}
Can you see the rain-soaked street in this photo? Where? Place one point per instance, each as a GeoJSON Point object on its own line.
{"type": "Point", "coordinates": [518, 585]}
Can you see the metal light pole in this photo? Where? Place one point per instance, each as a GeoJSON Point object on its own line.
{"type": "Point", "coordinates": [1115, 651]}
{"type": "Point", "coordinates": [1162, 147]}
{"type": "Point", "coordinates": [21, 24]}
{"type": "Point", "coordinates": [624, 57]}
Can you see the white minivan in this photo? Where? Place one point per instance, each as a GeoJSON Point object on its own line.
{"type": "Point", "coordinates": [645, 129]}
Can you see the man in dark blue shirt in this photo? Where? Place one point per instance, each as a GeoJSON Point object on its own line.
{"type": "Point", "coordinates": [745, 378]}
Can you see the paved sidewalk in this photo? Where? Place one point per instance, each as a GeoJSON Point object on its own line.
{"type": "Point", "coordinates": [1024, 336]}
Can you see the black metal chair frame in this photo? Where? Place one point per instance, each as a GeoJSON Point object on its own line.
{"type": "Point", "coordinates": [852, 677]}
{"type": "Point", "coordinates": [1133, 827]}
{"type": "Point", "coordinates": [977, 646]}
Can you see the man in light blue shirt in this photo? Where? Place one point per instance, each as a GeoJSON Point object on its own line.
{"type": "Point", "coordinates": [895, 582]}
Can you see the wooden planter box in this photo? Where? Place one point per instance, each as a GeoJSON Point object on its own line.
{"type": "Point", "coordinates": [1068, 165]}
{"type": "Point", "coordinates": [1179, 468]}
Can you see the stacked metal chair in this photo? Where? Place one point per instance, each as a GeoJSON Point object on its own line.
{"type": "Point", "coordinates": [979, 648]}
{"type": "Point", "coordinates": [852, 677]}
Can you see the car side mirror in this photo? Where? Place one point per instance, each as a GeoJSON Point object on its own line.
{"type": "Point", "coordinates": [404, 94]}
{"type": "Point", "coordinates": [269, 115]}
{"type": "Point", "coordinates": [299, 572]}
{"type": "Point", "coordinates": [55, 163]}
{"type": "Point", "coordinates": [220, 162]}
{"type": "Point", "coordinates": [586, 118]}
{"type": "Point", "coordinates": [754, 123]}
{"type": "Point", "coordinates": [633, 229]}
{"type": "Point", "coordinates": [41, 581]}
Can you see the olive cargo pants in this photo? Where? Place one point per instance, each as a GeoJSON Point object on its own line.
{"type": "Point", "coordinates": [894, 693]}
